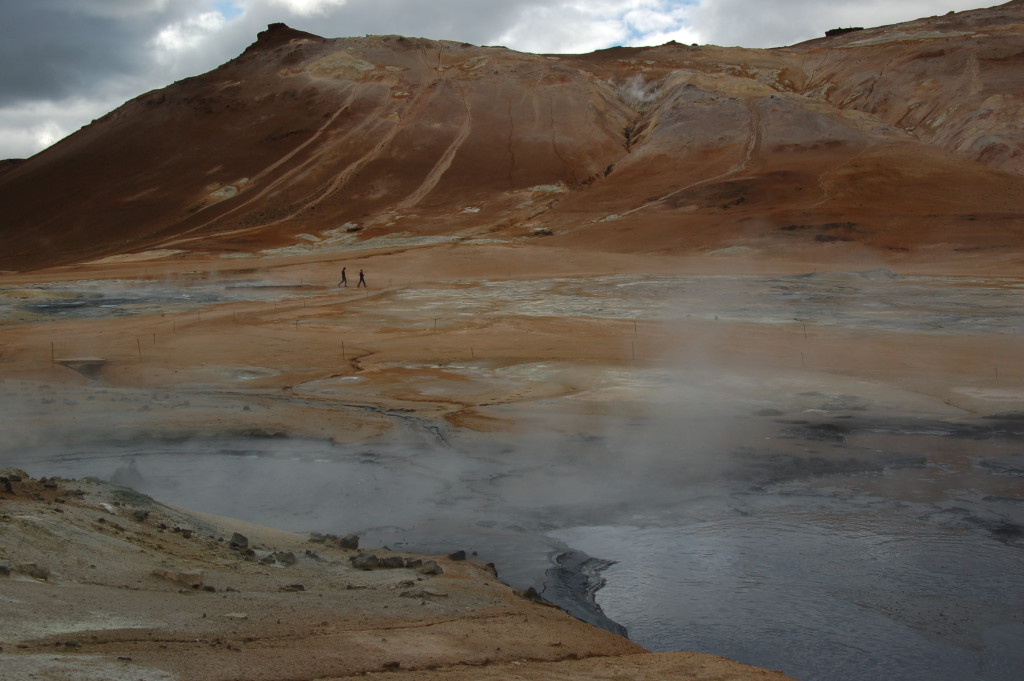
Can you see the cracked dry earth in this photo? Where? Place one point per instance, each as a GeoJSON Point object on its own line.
{"type": "Point", "coordinates": [103, 583]}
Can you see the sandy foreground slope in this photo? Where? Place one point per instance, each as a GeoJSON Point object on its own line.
{"type": "Point", "coordinates": [99, 582]}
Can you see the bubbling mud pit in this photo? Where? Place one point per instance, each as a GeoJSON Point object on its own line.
{"type": "Point", "coordinates": [832, 523]}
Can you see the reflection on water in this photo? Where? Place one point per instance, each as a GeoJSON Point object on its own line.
{"type": "Point", "coordinates": [817, 564]}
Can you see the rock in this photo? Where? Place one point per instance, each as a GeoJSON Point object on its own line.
{"type": "Point", "coordinates": [458, 555]}
{"type": "Point", "coordinates": [531, 594]}
{"type": "Point", "coordinates": [349, 541]}
{"type": "Point", "coordinates": [413, 563]}
{"type": "Point", "coordinates": [285, 557]}
{"type": "Point", "coordinates": [14, 474]}
{"type": "Point", "coordinates": [293, 587]}
{"type": "Point", "coordinates": [392, 562]}
{"type": "Point", "coordinates": [279, 558]}
{"type": "Point", "coordinates": [431, 567]}
{"type": "Point", "coordinates": [5, 570]}
{"type": "Point", "coordinates": [34, 570]}
{"type": "Point", "coordinates": [190, 578]}
{"type": "Point", "coordinates": [365, 561]}
{"type": "Point", "coordinates": [108, 508]}
{"type": "Point", "coordinates": [239, 541]}
{"type": "Point", "coordinates": [140, 515]}
{"type": "Point", "coordinates": [422, 593]}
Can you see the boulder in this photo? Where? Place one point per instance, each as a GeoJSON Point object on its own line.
{"type": "Point", "coordinates": [431, 567]}
{"type": "Point", "coordinates": [193, 579]}
{"type": "Point", "coordinates": [392, 562]}
{"type": "Point", "coordinates": [34, 570]}
{"type": "Point", "coordinates": [365, 561]}
{"type": "Point", "coordinates": [422, 594]}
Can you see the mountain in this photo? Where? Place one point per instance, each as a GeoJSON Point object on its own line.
{"type": "Point", "coordinates": [901, 141]}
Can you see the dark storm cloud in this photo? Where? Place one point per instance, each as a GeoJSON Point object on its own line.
{"type": "Point", "coordinates": [52, 49]}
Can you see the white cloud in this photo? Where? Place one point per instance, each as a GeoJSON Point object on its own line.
{"type": "Point", "coordinates": [307, 8]}
{"type": "Point", "coordinates": [562, 27]}
{"type": "Point", "coordinates": [27, 128]}
{"type": "Point", "coordinates": [186, 36]}
{"type": "Point", "coordinates": [67, 58]}
{"type": "Point", "coordinates": [774, 23]}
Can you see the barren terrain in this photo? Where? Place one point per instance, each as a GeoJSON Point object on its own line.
{"type": "Point", "coordinates": [609, 297]}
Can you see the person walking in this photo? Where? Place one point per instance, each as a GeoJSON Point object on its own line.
{"type": "Point", "coordinates": [362, 280]}
{"type": "Point", "coordinates": [344, 279]}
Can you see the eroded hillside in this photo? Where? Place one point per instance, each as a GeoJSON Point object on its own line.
{"type": "Point", "coordinates": [897, 139]}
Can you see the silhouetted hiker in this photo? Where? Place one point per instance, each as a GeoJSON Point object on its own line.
{"type": "Point", "coordinates": [344, 279]}
{"type": "Point", "coordinates": [362, 280]}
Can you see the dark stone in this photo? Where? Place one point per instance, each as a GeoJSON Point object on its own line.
{"type": "Point", "coordinates": [431, 567]}
{"type": "Point", "coordinates": [413, 563]}
{"type": "Point", "coordinates": [365, 561]}
{"type": "Point", "coordinates": [5, 570]}
{"type": "Point", "coordinates": [293, 587]}
{"type": "Point", "coordinates": [140, 515]}
{"type": "Point", "coordinates": [34, 570]}
{"type": "Point", "coordinates": [458, 555]}
{"type": "Point", "coordinates": [284, 557]}
{"type": "Point", "coordinates": [349, 541]}
{"type": "Point", "coordinates": [239, 541]}
{"type": "Point", "coordinates": [832, 32]}
{"type": "Point", "coordinates": [392, 562]}
{"type": "Point", "coordinates": [531, 594]}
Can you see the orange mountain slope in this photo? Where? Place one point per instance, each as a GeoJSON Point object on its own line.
{"type": "Point", "coordinates": [899, 139]}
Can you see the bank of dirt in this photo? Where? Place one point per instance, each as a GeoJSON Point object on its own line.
{"type": "Point", "coordinates": [100, 582]}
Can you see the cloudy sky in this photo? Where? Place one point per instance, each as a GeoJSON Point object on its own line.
{"type": "Point", "coordinates": [66, 62]}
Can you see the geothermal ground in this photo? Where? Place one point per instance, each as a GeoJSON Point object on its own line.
{"type": "Point", "coordinates": [807, 468]}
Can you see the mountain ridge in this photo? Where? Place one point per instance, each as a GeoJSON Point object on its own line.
{"type": "Point", "coordinates": [904, 135]}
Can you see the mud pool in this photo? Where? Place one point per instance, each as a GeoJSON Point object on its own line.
{"type": "Point", "coordinates": [851, 534]}
{"type": "Point", "coordinates": [851, 549]}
